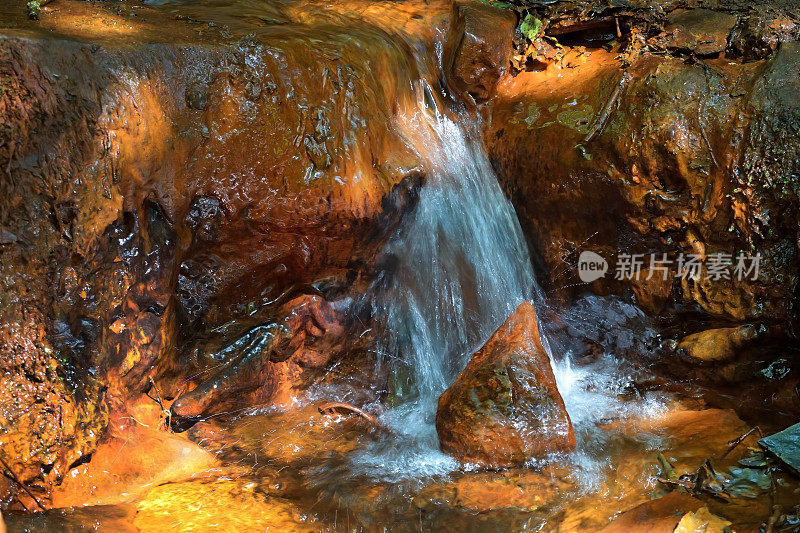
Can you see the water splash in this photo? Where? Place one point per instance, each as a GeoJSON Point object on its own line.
{"type": "Point", "coordinates": [460, 262]}
{"type": "Point", "coordinates": [459, 267]}
{"type": "Point", "coordinates": [603, 390]}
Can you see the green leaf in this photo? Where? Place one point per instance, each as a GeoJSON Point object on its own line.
{"type": "Point", "coordinates": [530, 27]}
{"type": "Point", "coordinates": [34, 8]}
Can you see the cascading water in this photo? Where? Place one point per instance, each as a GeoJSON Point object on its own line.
{"type": "Point", "coordinates": [460, 267]}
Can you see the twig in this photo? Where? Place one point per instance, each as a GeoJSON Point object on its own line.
{"type": "Point", "coordinates": [693, 490]}
{"type": "Point", "coordinates": [738, 440]}
{"type": "Point", "coordinates": [335, 406]}
{"type": "Point", "coordinates": [18, 482]}
{"type": "Point", "coordinates": [157, 399]}
{"type": "Point", "coordinates": [690, 488]}
{"type": "Point", "coordinates": [677, 483]}
{"type": "Point", "coordinates": [773, 519]}
{"type": "Point", "coordinates": [166, 414]}
{"type": "Point", "coordinates": [332, 407]}
{"type": "Point", "coordinates": [607, 109]}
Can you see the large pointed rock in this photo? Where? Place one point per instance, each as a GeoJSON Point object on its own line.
{"type": "Point", "coordinates": [504, 407]}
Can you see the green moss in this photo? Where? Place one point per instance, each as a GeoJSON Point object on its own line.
{"type": "Point", "coordinates": [531, 115]}
{"type": "Point", "coordinates": [578, 117]}
{"type": "Point", "coordinates": [34, 8]}
{"type": "Point", "coordinates": [504, 5]}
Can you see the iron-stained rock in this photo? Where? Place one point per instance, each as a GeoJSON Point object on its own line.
{"type": "Point", "coordinates": [478, 47]}
{"type": "Point", "coordinates": [504, 408]}
{"type": "Point", "coordinates": [721, 344]}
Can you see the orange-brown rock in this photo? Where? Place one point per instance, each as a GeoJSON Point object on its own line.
{"type": "Point", "coordinates": [46, 422]}
{"type": "Point", "coordinates": [663, 157]}
{"type": "Point", "coordinates": [265, 362]}
{"type": "Point", "coordinates": [160, 182]}
{"type": "Point", "coordinates": [721, 344]}
{"type": "Point", "coordinates": [208, 503]}
{"type": "Point", "coordinates": [702, 520]}
{"type": "Point", "coordinates": [483, 492]}
{"type": "Point", "coordinates": [478, 47]}
{"type": "Point", "coordinates": [699, 31]}
{"type": "Point", "coordinates": [316, 330]}
{"type": "Point", "coordinates": [135, 454]}
{"type": "Point", "coordinates": [759, 34]}
{"type": "Point", "coordinates": [657, 516]}
{"type": "Point", "coordinates": [504, 407]}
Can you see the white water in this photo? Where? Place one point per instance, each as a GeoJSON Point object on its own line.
{"type": "Point", "coordinates": [460, 267]}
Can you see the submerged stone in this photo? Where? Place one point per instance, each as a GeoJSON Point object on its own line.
{"type": "Point", "coordinates": [662, 514]}
{"type": "Point", "coordinates": [504, 408]}
{"type": "Point", "coordinates": [785, 445]}
{"type": "Point", "coordinates": [482, 492]}
{"type": "Point", "coordinates": [239, 504]}
{"type": "Point", "coordinates": [719, 344]}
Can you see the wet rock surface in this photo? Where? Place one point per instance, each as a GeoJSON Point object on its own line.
{"type": "Point", "coordinates": [255, 511]}
{"type": "Point", "coordinates": [717, 345]}
{"type": "Point", "coordinates": [50, 420]}
{"type": "Point", "coordinates": [698, 31]}
{"type": "Point", "coordinates": [135, 454]}
{"type": "Point", "coordinates": [477, 47]}
{"type": "Point", "coordinates": [504, 407]}
{"type": "Point", "coordinates": [650, 154]}
{"type": "Point", "coordinates": [194, 196]}
{"type": "Point", "coordinates": [157, 193]}
{"type": "Point", "coordinates": [760, 34]}
{"type": "Point", "coordinates": [660, 515]}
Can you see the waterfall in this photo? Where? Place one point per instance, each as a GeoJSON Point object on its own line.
{"type": "Point", "coordinates": [459, 267]}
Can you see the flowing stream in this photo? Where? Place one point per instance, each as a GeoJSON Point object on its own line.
{"type": "Point", "coordinates": [452, 273]}
{"type": "Point", "coordinates": [458, 267]}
